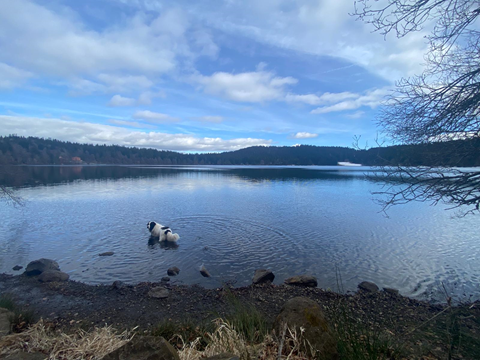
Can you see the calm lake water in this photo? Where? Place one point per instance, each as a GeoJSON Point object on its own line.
{"type": "Point", "coordinates": [233, 220]}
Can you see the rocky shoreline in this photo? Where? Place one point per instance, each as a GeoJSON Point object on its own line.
{"type": "Point", "coordinates": [67, 303]}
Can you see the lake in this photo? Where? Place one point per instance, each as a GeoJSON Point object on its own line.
{"type": "Point", "coordinates": [293, 220]}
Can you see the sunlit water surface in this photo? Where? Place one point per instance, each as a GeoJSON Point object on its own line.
{"type": "Point", "coordinates": [292, 220]}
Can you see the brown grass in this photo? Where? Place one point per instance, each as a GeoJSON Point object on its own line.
{"type": "Point", "coordinates": [60, 346]}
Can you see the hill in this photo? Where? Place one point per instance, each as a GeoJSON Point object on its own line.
{"type": "Point", "coordinates": [17, 150]}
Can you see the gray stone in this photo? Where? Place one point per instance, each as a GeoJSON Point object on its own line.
{"type": "Point", "coordinates": [159, 292]}
{"type": "Point", "coordinates": [302, 280]}
{"type": "Point", "coordinates": [368, 286]}
{"type": "Point", "coordinates": [17, 267]}
{"type": "Point", "coordinates": [301, 312]}
{"type": "Point", "coordinates": [223, 356]}
{"type": "Point", "coordinates": [37, 267]}
{"type": "Point", "coordinates": [5, 316]}
{"type": "Point", "coordinates": [173, 271]}
{"type": "Point", "coordinates": [204, 271]}
{"type": "Point", "coordinates": [118, 285]}
{"type": "Point", "coordinates": [53, 275]}
{"type": "Point", "coordinates": [27, 356]}
{"type": "Point", "coordinates": [165, 279]}
{"type": "Point", "coordinates": [263, 276]}
{"type": "Point", "coordinates": [390, 291]}
{"type": "Point", "coordinates": [144, 348]}
{"type": "Point", "coordinates": [107, 253]}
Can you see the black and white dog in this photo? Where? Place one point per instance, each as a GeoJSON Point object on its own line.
{"type": "Point", "coordinates": [162, 232]}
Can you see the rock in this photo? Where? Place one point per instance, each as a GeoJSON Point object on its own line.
{"type": "Point", "coordinates": [118, 285]}
{"type": "Point", "coordinates": [144, 348]}
{"type": "Point", "coordinates": [302, 280]}
{"type": "Point", "coordinates": [390, 291]}
{"type": "Point", "coordinates": [204, 271]}
{"type": "Point", "coordinates": [5, 316]}
{"type": "Point", "coordinates": [263, 276]}
{"type": "Point", "coordinates": [26, 356]}
{"type": "Point", "coordinates": [159, 293]}
{"type": "Point", "coordinates": [36, 267]}
{"type": "Point", "coordinates": [17, 267]}
{"type": "Point", "coordinates": [301, 312]}
{"type": "Point", "coordinates": [173, 271]}
{"type": "Point", "coordinates": [368, 286]}
{"type": "Point", "coordinates": [223, 356]}
{"type": "Point", "coordinates": [107, 253]}
{"type": "Point", "coordinates": [165, 279]}
{"type": "Point", "coordinates": [53, 275]}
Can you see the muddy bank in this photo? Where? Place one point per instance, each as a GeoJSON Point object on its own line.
{"type": "Point", "coordinates": [421, 327]}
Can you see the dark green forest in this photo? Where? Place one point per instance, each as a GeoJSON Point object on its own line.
{"type": "Point", "coordinates": [17, 150]}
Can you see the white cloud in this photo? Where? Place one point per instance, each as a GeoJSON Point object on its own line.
{"type": "Point", "coordinates": [118, 100]}
{"type": "Point", "coordinates": [258, 86]}
{"type": "Point", "coordinates": [91, 133]}
{"type": "Point", "coordinates": [11, 77]}
{"type": "Point", "coordinates": [356, 115]}
{"type": "Point", "coordinates": [58, 44]}
{"type": "Point", "coordinates": [146, 97]}
{"type": "Point", "coordinates": [154, 117]}
{"type": "Point", "coordinates": [210, 119]}
{"type": "Point", "coordinates": [325, 98]}
{"type": "Point", "coordinates": [134, 124]}
{"type": "Point", "coordinates": [322, 28]}
{"type": "Point", "coordinates": [372, 99]}
{"type": "Point", "coordinates": [304, 135]}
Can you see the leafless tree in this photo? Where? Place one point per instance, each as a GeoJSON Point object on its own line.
{"type": "Point", "coordinates": [441, 104]}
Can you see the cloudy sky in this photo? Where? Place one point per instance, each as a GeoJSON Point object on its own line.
{"type": "Point", "coordinates": [204, 75]}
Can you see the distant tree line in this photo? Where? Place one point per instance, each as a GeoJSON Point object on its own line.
{"type": "Point", "coordinates": [18, 150]}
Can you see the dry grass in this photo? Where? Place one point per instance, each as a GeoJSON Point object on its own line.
{"type": "Point", "coordinates": [226, 339]}
{"type": "Point", "coordinates": [60, 346]}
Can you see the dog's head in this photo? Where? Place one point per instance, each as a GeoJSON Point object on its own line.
{"type": "Point", "coordinates": [151, 225]}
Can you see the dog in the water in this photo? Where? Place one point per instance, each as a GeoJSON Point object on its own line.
{"type": "Point", "coordinates": [163, 233]}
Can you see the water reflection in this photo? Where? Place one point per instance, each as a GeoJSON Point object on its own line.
{"type": "Point", "coordinates": [233, 220]}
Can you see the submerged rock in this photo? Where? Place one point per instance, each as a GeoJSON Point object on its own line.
{"type": "Point", "coordinates": [302, 314]}
{"type": "Point", "coordinates": [302, 280]}
{"type": "Point", "coordinates": [17, 267]}
{"type": "Point", "coordinates": [263, 276]}
{"type": "Point", "coordinates": [159, 293]}
{"type": "Point", "coordinates": [368, 286]}
{"type": "Point", "coordinates": [53, 275]}
{"type": "Point", "coordinates": [173, 271]}
{"type": "Point", "coordinates": [107, 253]}
{"type": "Point", "coordinates": [144, 348]}
{"type": "Point", "coordinates": [165, 279]}
{"type": "Point", "coordinates": [204, 271]}
{"type": "Point", "coordinates": [37, 267]}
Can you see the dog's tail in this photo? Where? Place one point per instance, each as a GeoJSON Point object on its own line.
{"type": "Point", "coordinates": [172, 237]}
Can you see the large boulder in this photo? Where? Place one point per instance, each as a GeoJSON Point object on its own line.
{"type": "Point", "coordinates": [263, 276]}
{"type": "Point", "coordinates": [368, 286]}
{"type": "Point", "coordinates": [144, 348]}
{"type": "Point", "coordinates": [53, 276]}
{"type": "Point", "coordinates": [302, 280]}
{"type": "Point", "coordinates": [5, 316]}
{"type": "Point", "coordinates": [303, 313]}
{"type": "Point", "coordinates": [37, 267]}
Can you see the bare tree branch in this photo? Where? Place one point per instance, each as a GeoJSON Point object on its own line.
{"type": "Point", "coordinates": [441, 104]}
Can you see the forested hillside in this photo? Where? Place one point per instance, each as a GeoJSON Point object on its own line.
{"type": "Point", "coordinates": [16, 150]}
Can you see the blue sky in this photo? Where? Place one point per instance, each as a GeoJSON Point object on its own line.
{"type": "Point", "coordinates": [196, 76]}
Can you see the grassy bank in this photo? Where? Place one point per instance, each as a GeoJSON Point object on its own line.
{"type": "Point", "coordinates": [451, 333]}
